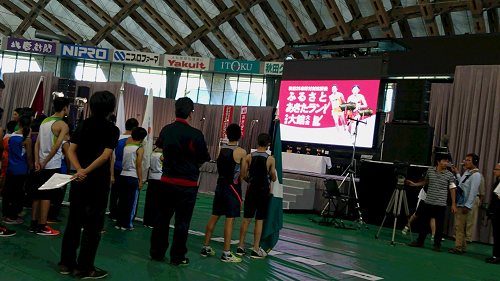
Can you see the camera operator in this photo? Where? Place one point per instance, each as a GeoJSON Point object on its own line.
{"type": "Point", "coordinates": [439, 180]}
{"type": "Point", "coordinates": [494, 215]}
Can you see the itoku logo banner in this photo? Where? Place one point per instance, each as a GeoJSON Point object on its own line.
{"type": "Point", "coordinates": [227, 116]}
{"type": "Point", "coordinates": [136, 57]}
{"type": "Point", "coordinates": [239, 66]}
{"type": "Point", "coordinates": [39, 47]}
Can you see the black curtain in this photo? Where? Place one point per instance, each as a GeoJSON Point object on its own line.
{"type": "Point", "coordinates": [68, 68]}
{"type": "Point", "coordinates": [173, 76]}
{"type": "Point", "coordinates": [273, 90]}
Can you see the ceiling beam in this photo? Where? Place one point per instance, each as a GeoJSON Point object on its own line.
{"type": "Point", "coordinates": [93, 24]}
{"type": "Point", "coordinates": [14, 9]}
{"type": "Point", "coordinates": [182, 44]}
{"type": "Point", "coordinates": [5, 30]}
{"type": "Point", "coordinates": [427, 12]}
{"type": "Point", "coordinates": [31, 17]}
{"type": "Point", "coordinates": [116, 21]}
{"type": "Point", "coordinates": [109, 22]}
{"type": "Point", "coordinates": [55, 22]}
{"type": "Point", "coordinates": [297, 24]}
{"type": "Point", "coordinates": [313, 14]}
{"type": "Point", "coordinates": [476, 9]}
{"type": "Point", "coordinates": [214, 28]}
{"type": "Point", "coordinates": [447, 23]}
{"type": "Point", "coordinates": [191, 24]}
{"type": "Point", "coordinates": [493, 21]}
{"type": "Point", "coordinates": [383, 18]}
{"type": "Point", "coordinates": [353, 7]}
{"type": "Point", "coordinates": [338, 18]}
{"type": "Point", "coordinates": [147, 27]}
{"type": "Point", "coordinates": [404, 26]}
{"type": "Point", "coordinates": [240, 30]}
{"type": "Point", "coordinates": [221, 18]}
{"type": "Point", "coordinates": [257, 29]}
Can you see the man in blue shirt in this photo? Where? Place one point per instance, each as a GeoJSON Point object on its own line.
{"type": "Point", "coordinates": [466, 195]}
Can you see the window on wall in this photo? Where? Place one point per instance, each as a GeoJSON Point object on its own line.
{"type": "Point", "coordinates": [230, 88]}
{"type": "Point", "coordinates": [217, 88]}
{"type": "Point", "coordinates": [148, 78]}
{"type": "Point", "coordinates": [256, 91]}
{"type": "Point", "coordinates": [9, 63]}
{"type": "Point", "coordinates": [243, 90]}
{"type": "Point", "coordinates": [89, 71]}
{"type": "Point", "coordinates": [193, 85]}
{"type": "Point", "coordinates": [50, 64]}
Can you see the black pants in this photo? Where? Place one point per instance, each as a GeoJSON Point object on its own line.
{"type": "Point", "coordinates": [496, 235]}
{"type": "Point", "coordinates": [88, 209]}
{"type": "Point", "coordinates": [55, 203]}
{"type": "Point", "coordinates": [150, 211]}
{"type": "Point", "coordinates": [425, 213]}
{"type": "Point", "coordinates": [179, 200]}
{"type": "Point", "coordinates": [115, 195]}
{"type": "Point", "coordinates": [13, 195]}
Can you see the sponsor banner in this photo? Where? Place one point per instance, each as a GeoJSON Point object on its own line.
{"type": "Point", "coordinates": [136, 57]}
{"type": "Point", "coordinates": [227, 116]}
{"type": "Point", "coordinates": [84, 52]}
{"type": "Point", "coordinates": [273, 68]}
{"type": "Point", "coordinates": [185, 62]}
{"type": "Point", "coordinates": [239, 66]}
{"type": "Point", "coordinates": [31, 46]}
{"type": "Point", "coordinates": [243, 119]}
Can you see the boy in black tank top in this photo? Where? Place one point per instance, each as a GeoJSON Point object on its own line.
{"type": "Point", "coordinates": [262, 171]}
{"type": "Point", "coordinates": [231, 164]}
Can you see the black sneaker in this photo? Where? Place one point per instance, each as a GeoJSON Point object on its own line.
{"type": "Point", "coordinates": [260, 254]}
{"type": "Point", "coordinates": [493, 260]}
{"type": "Point", "coordinates": [185, 262]}
{"type": "Point", "coordinates": [65, 270]}
{"type": "Point", "coordinates": [241, 251]}
{"type": "Point", "coordinates": [4, 232]}
{"type": "Point", "coordinates": [206, 253]}
{"type": "Point", "coordinates": [33, 229]}
{"type": "Point", "coordinates": [95, 273]}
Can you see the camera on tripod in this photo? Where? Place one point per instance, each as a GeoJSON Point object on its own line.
{"type": "Point", "coordinates": [401, 171]}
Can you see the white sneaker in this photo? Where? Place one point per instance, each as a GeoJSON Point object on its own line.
{"type": "Point", "coordinates": [405, 230]}
{"type": "Point", "coordinates": [261, 254]}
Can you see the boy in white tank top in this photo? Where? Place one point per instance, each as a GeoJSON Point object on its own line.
{"type": "Point", "coordinates": [154, 183]}
{"type": "Point", "coordinates": [132, 179]}
{"type": "Point", "coordinates": [48, 157]}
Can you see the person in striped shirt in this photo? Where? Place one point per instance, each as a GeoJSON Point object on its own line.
{"type": "Point", "coordinates": [439, 180]}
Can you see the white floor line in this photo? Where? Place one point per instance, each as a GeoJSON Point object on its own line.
{"type": "Point", "coordinates": [362, 275]}
{"type": "Point", "coordinates": [274, 253]}
{"type": "Point", "coordinates": [306, 261]}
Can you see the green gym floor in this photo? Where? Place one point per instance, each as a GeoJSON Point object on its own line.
{"type": "Point", "coordinates": [332, 252]}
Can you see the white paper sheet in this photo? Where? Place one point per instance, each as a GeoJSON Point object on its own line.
{"type": "Point", "coordinates": [56, 181]}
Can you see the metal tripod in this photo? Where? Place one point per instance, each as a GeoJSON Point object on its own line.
{"type": "Point", "coordinates": [351, 174]}
{"type": "Point", "coordinates": [398, 198]}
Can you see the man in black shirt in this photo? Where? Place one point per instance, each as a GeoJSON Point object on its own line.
{"type": "Point", "coordinates": [184, 151]}
{"type": "Point", "coordinates": [90, 151]}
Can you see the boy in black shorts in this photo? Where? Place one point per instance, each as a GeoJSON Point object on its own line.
{"type": "Point", "coordinates": [261, 168]}
{"type": "Point", "coordinates": [231, 165]}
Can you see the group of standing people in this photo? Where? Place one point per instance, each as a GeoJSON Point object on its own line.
{"type": "Point", "coordinates": [466, 196]}
{"type": "Point", "coordinates": [107, 163]}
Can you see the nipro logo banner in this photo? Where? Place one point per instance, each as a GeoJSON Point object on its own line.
{"type": "Point", "coordinates": [84, 52]}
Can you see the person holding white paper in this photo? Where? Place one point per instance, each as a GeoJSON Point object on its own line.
{"type": "Point", "coordinates": [90, 151]}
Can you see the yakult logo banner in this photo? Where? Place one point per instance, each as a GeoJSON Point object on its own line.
{"type": "Point", "coordinates": [136, 57]}
{"type": "Point", "coordinates": [239, 66]}
{"type": "Point", "coordinates": [186, 62]}
{"type": "Point", "coordinates": [84, 52]}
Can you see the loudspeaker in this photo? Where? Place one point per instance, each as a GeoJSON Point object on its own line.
{"type": "Point", "coordinates": [408, 143]}
{"type": "Point", "coordinates": [411, 104]}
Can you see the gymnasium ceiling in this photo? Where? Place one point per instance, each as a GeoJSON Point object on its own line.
{"type": "Point", "coordinates": [241, 29]}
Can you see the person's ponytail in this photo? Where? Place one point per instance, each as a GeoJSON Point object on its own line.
{"type": "Point", "coordinates": [24, 122]}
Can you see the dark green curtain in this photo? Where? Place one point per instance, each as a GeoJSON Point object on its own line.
{"type": "Point", "coordinates": [173, 76]}
{"type": "Point", "coordinates": [273, 90]}
{"type": "Point", "coordinates": [68, 68]}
